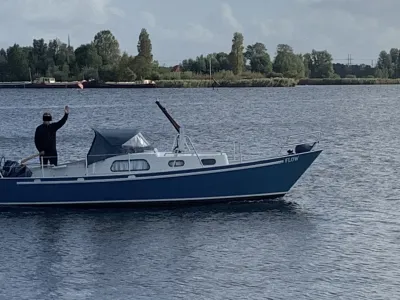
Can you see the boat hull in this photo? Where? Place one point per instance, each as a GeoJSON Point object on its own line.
{"type": "Point", "coordinates": [262, 179]}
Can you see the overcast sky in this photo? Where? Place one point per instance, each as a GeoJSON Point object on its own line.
{"type": "Point", "coordinates": [186, 28]}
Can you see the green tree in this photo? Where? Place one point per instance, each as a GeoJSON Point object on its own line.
{"type": "Point", "coordinates": [308, 65]}
{"type": "Point", "coordinates": [3, 65]}
{"type": "Point", "coordinates": [188, 65]}
{"type": "Point", "coordinates": [384, 66]}
{"type": "Point", "coordinates": [52, 51]}
{"type": "Point", "coordinates": [212, 59]}
{"type": "Point", "coordinates": [255, 49]}
{"type": "Point", "coordinates": [223, 60]}
{"type": "Point", "coordinates": [397, 72]}
{"type": "Point", "coordinates": [286, 62]}
{"type": "Point", "coordinates": [62, 72]}
{"type": "Point", "coordinates": [219, 62]}
{"type": "Point", "coordinates": [108, 72]}
{"type": "Point", "coordinates": [28, 52]}
{"type": "Point", "coordinates": [236, 56]}
{"type": "Point", "coordinates": [87, 57]}
{"type": "Point", "coordinates": [89, 73]}
{"type": "Point", "coordinates": [300, 70]}
{"type": "Point", "coordinates": [200, 65]}
{"type": "Point", "coordinates": [144, 58]}
{"type": "Point", "coordinates": [107, 47]}
{"type": "Point", "coordinates": [141, 68]}
{"type": "Point", "coordinates": [17, 63]}
{"type": "Point", "coordinates": [39, 56]}
{"type": "Point", "coordinates": [261, 64]}
{"type": "Point", "coordinates": [144, 46]}
{"type": "Point", "coordinates": [260, 60]}
{"type": "Point", "coordinates": [321, 64]}
{"type": "Point", "coordinates": [62, 55]}
{"type": "Point", "coordinates": [125, 68]}
{"type": "Point", "coordinates": [394, 57]}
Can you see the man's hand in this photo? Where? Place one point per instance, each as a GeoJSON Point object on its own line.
{"type": "Point", "coordinates": [66, 109]}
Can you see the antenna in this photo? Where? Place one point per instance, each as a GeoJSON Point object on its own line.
{"type": "Point", "coordinates": [173, 122]}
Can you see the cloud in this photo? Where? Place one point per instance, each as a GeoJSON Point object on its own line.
{"type": "Point", "coordinates": [62, 12]}
{"type": "Point", "coordinates": [360, 27]}
{"type": "Point", "coordinates": [149, 18]}
{"type": "Point", "coordinates": [282, 28]}
{"type": "Point", "coordinates": [192, 32]}
{"type": "Point", "coordinates": [383, 11]}
{"type": "Point", "coordinates": [198, 33]}
{"type": "Point", "coordinates": [229, 18]}
{"type": "Point", "coordinates": [50, 19]}
{"type": "Point", "coordinates": [345, 29]}
{"type": "Point", "coordinates": [168, 33]}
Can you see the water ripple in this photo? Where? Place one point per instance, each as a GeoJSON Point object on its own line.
{"type": "Point", "coordinates": [335, 236]}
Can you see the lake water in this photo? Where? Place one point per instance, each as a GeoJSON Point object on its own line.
{"type": "Point", "coordinates": [336, 235]}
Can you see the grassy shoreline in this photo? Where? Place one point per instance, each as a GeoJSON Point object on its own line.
{"type": "Point", "coordinates": [202, 83]}
{"type": "Point", "coordinates": [272, 82]}
{"type": "Point", "coordinates": [257, 82]}
{"type": "Point", "coordinates": [347, 81]}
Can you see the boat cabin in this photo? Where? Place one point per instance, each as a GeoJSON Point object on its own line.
{"type": "Point", "coordinates": [45, 80]}
{"type": "Point", "coordinates": [126, 151]}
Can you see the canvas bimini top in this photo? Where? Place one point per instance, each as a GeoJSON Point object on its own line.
{"type": "Point", "coordinates": [112, 142]}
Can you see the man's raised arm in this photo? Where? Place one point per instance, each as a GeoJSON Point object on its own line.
{"type": "Point", "coordinates": [59, 124]}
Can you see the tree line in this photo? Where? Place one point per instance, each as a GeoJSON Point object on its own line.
{"type": "Point", "coordinates": [101, 59]}
{"type": "Point", "coordinates": [286, 63]}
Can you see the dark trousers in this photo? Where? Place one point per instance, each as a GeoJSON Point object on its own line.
{"type": "Point", "coordinates": [50, 158]}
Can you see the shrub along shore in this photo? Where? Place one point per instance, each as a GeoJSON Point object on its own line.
{"type": "Point", "coordinates": [346, 81]}
{"type": "Point", "coordinates": [201, 83]}
{"type": "Point", "coordinates": [265, 82]}
{"type": "Point", "coordinates": [271, 82]}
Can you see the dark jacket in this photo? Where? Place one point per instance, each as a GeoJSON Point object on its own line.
{"type": "Point", "coordinates": [45, 136]}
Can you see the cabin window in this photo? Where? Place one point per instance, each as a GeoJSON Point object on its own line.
{"type": "Point", "coordinates": [208, 161]}
{"type": "Point", "coordinates": [135, 165]}
{"type": "Point", "coordinates": [176, 163]}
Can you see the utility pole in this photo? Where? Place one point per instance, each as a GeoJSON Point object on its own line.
{"type": "Point", "coordinates": [349, 59]}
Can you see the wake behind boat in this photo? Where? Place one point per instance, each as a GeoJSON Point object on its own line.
{"type": "Point", "coordinates": [123, 167]}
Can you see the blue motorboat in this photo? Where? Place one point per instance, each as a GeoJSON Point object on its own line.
{"type": "Point", "coordinates": [123, 167]}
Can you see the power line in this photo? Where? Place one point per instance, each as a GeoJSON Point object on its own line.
{"type": "Point", "coordinates": [349, 59]}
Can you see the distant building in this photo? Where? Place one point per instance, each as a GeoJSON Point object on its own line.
{"type": "Point", "coordinates": [176, 68]}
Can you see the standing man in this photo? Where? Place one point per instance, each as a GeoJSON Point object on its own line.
{"type": "Point", "coordinates": [45, 137]}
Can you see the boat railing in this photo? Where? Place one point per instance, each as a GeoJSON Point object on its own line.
{"type": "Point", "coordinates": [84, 161]}
{"type": "Point", "coordinates": [238, 153]}
{"type": "Point", "coordinates": [188, 144]}
{"type": "Point", "coordinates": [242, 152]}
{"type": "Point", "coordinates": [89, 169]}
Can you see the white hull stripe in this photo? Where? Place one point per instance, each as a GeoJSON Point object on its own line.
{"type": "Point", "coordinates": [82, 179]}
{"type": "Point", "coordinates": [228, 198]}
